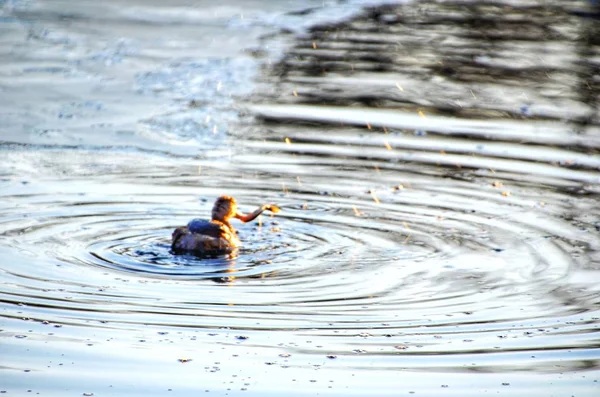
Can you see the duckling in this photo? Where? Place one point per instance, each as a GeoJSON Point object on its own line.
{"type": "Point", "coordinates": [201, 237]}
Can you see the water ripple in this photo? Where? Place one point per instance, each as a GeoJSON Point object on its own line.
{"type": "Point", "coordinates": [432, 224]}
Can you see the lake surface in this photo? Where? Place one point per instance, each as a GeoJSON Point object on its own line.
{"type": "Point", "coordinates": [437, 166]}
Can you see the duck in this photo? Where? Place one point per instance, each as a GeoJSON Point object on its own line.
{"type": "Point", "coordinates": [201, 237]}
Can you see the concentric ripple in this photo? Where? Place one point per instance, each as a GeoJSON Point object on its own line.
{"type": "Point", "coordinates": [398, 248]}
{"type": "Point", "coordinates": [134, 236]}
{"type": "Point", "coordinates": [383, 262]}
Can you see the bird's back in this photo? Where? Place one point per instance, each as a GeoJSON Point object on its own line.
{"type": "Point", "coordinates": [204, 227]}
{"type": "Point", "coordinates": [201, 237]}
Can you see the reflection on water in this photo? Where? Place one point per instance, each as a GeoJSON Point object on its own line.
{"type": "Point", "coordinates": [436, 165]}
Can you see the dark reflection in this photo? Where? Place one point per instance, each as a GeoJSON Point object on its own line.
{"type": "Point", "coordinates": [588, 69]}
{"type": "Point", "coordinates": [467, 59]}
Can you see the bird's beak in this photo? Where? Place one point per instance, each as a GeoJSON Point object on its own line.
{"type": "Point", "coordinates": [239, 215]}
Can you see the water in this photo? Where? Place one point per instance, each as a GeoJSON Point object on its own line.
{"type": "Point", "coordinates": [437, 169]}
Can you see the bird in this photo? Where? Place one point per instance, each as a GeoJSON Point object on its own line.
{"type": "Point", "coordinates": [201, 237]}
